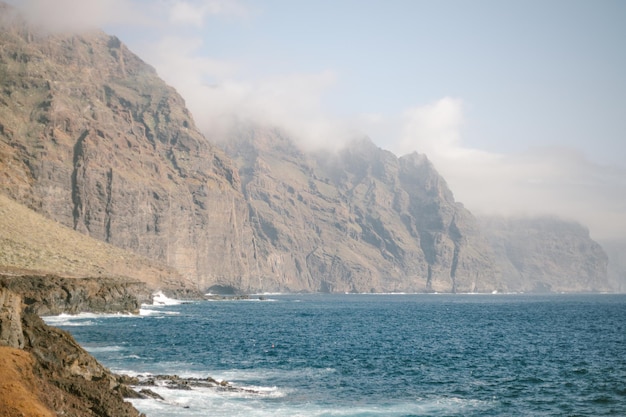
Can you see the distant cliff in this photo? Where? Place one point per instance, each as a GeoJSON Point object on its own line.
{"type": "Point", "coordinates": [545, 254]}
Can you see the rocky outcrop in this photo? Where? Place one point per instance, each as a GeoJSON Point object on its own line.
{"type": "Point", "coordinates": [546, 254]}
{"type": "Point", "coordinates": [53, 295]}
{"type": "Point", "coordinates": [57, 374]}
{"type": "Point", "coordinates": [11, 319]}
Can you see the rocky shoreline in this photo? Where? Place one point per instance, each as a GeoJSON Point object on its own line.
{"type": "Point", "coordinates": [48, 372]}
{"type": "Point", "coordinates": [45, 372]}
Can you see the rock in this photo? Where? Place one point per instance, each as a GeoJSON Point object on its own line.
{"type": "Point", "coordinates": [64, 378]}
{"type": "Point", "coordinates": [93, 139]}
{"type": "Point", "coordinates": [148, 393]}
{"type": "Point", "coordinates": [11, 319]}
{"type": "Point", "coordinates": [53, 295]}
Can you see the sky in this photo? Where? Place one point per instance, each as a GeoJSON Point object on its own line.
{"type": "Point", "coordinates": [521, 105]}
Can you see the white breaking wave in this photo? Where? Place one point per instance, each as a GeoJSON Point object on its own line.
{"type": "Point", "coordinates": [98, 349]}
{"type": "Point", "coordinates": [81, 319]}
{"type": "Point", "coordinates": [202, 402]}
{"type": "Point", "coordinates": [160, 299]}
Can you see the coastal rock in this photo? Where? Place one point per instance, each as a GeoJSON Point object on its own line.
{"type": "Point", "coordinates": [10, 319]}
{"type": "Point", "coordinates": [53, 295]}
{"type": "Point", "coordinates": [62, 378]}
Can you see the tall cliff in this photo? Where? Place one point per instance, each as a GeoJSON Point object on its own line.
{"type": "Point", "coordinates": [92, 138]}
{"type": "Point", "coordinates": [545, 254]}
{"type": "Point", "coordinates": [360, 220]}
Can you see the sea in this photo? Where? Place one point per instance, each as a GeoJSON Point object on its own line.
{"type": "Point", "coordinates": [366, 355]}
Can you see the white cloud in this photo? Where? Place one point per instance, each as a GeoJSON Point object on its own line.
{"type": "Point", "coordinates": [540, 181]}
{"type": "Point", "coordinates": [218, 96]}
{"type": "Point", "coordinates": [195, 12]}
{"type": "Point", "coordinates": [184, 12]}
{"type": "Point", "coordinates": [433, 127]}
{"type": "Point", "coordinates": [78, 15]}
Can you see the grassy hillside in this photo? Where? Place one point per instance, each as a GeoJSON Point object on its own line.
{"type": "Point", "coordinates": [31, 243]}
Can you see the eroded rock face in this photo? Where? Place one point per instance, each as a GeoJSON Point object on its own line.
{"type": "Point", "coordinates": [361, 220]}
{"type": "Point", "coordinates": [11, 319]}
{"type": "Point", "coordinates": [92, 138]}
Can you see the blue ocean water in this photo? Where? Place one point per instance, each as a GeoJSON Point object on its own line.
{"type": "Point", "coordinates": [375, 355]}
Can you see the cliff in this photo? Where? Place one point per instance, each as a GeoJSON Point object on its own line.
{"type": "Point", "coordinates": [361, 220]}
{"type": "Point", "coordinates": [92, 138]}
{"type": "Point", "coordinates": [32, 244]}
{"type": "Point", "coordinates": [616, 251]}
{"type": "Point", "coordinates": [546, 254]}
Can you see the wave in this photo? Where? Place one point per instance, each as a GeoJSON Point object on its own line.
{"type": "Point", "coordinates": [81, 319]}
{"type": "Point", "coordinates": [160, 299]}
{"type": "Point", "coordinates": [221, 404]}
{"type": "Point", "coordinates": [100, 349]}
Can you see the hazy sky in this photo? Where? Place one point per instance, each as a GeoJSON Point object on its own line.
{"type": "Point", "coordinates": [521, 105]}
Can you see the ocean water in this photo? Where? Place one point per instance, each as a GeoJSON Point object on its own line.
{"type": "Point", "coordinates": [374, 355]}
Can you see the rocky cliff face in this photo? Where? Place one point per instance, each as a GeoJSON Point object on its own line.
{"type": "Point", "coordinates": [547, 254]}
{"type": "Point", "coordinates": [92, 138]}
{"type": "Point", "coordinates": [361, 220]}
{"type": "Point", "coordinates": [616, 251]}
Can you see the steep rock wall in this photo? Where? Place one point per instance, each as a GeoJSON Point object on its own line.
{"type": "Point", "coordinates": [92, 138]}
{"type": "Point", "coordinates": [361, 220]}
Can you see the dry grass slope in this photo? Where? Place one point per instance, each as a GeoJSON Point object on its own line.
{"type": "Point", "coordinates": [32, 243]}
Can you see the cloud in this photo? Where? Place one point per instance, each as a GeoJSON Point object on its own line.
{"type": "Point", "coordinates": [539, 181]}
{"type": "Point", "coordinates": [219, 96]}
{"type": "Point", "coordinates": [195, 12]}
{"type": "Point", "coordinates": [79, 15]}
{"type": "Point", "coordinates": [432, 127]}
